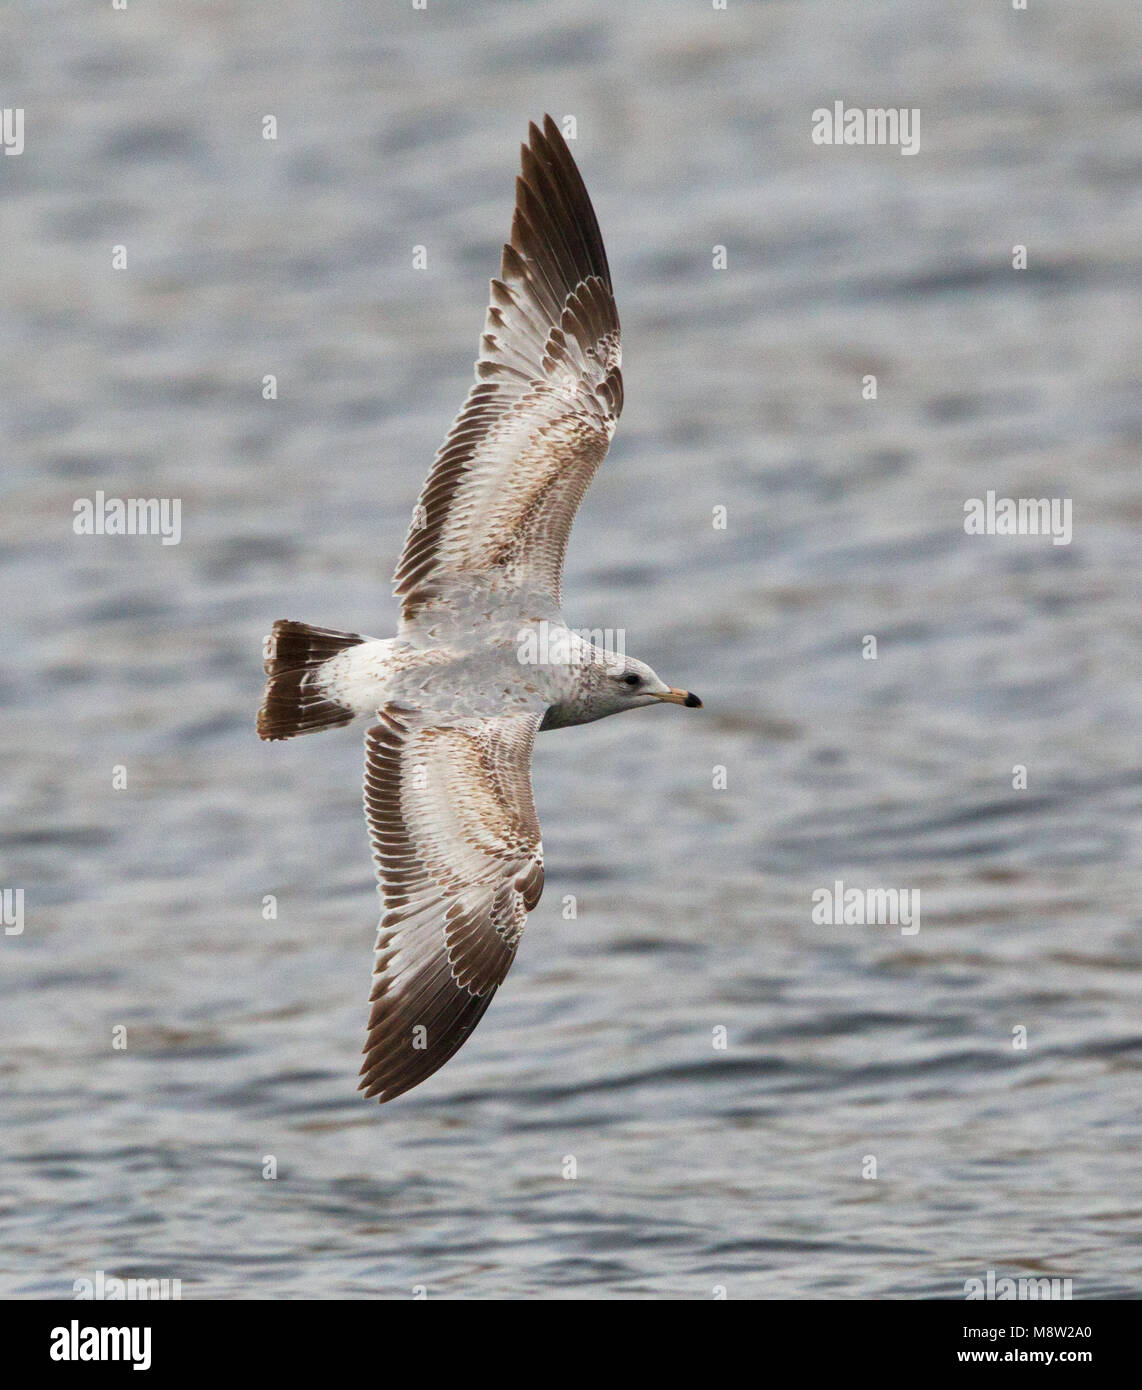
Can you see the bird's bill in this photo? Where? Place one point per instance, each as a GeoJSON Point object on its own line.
{"type": "Point", "coordinates": [681, 697]}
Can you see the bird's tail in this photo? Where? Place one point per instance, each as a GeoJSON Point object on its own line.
{"type": "Point", "coordinates": [295, 701]}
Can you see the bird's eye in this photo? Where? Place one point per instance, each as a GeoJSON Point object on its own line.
{"type": "Point", "coordinates": [632, 679]}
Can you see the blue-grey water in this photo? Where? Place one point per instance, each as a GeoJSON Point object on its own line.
{"type": "Point", "coordinates": [691, 844]}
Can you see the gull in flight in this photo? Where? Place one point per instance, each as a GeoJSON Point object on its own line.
{"type": "Point", "coordinates": [483, 660]}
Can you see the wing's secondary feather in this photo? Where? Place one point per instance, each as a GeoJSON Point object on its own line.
{"type": "Point", "coordinates": [509, 477]}
{"type": "Point", "coordinates": [457, 846]}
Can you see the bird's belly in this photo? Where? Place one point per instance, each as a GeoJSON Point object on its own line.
{"type": "Point", "coordinates": [444, 683]}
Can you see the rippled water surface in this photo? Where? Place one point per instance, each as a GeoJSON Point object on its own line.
{"type": "Point", "coordinates": [697, 1166]}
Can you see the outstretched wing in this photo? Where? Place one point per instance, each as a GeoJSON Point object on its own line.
{"type": "Point", "coordinates": [456, 842]}
{"type": "Point", "coordinates": [508, 479]}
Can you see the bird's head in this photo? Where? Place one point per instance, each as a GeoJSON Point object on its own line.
{"type": "Point", "coordinates": [626, 683]}
{"type": "Point", "coordinates": [610, 684]}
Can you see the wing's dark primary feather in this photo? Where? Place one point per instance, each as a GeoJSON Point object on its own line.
{"type": "Point", "coordinates": [508, 479]}
{"type": "Point", "coordinates": [456, 843]}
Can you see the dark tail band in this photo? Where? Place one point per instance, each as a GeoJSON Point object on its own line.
{"type": "Point", "coordinates": [293, 702]}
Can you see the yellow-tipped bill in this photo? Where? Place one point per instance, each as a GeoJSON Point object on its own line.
{"type": "Point", "coordinates": [681, 697]}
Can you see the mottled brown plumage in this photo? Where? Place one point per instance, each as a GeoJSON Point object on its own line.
{"type": "Point", "coordinates": [456, 842]}
{"type": "Point", "coordinates": [510, 475]}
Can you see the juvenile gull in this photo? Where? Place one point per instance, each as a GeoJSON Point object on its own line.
{"type": "Point", "coordinates": [458, 692]}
